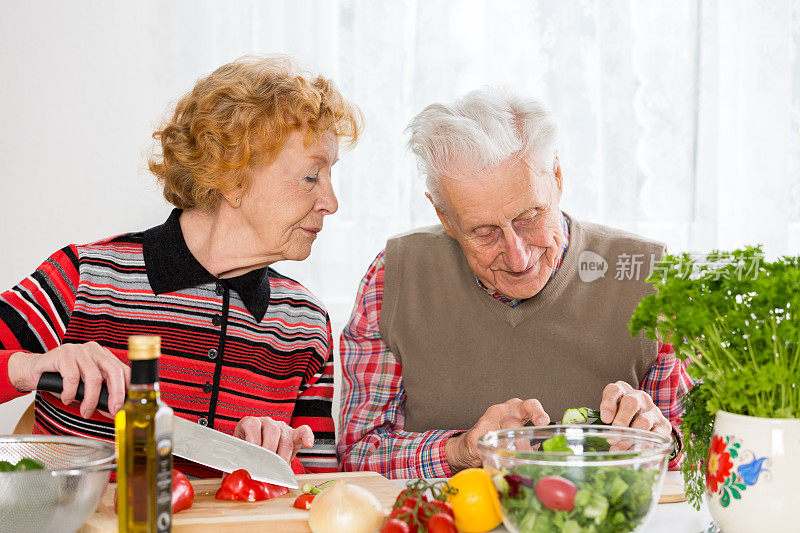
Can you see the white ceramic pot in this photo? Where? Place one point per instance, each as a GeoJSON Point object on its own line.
{"type": "Point", "coordinates": [753, 474]}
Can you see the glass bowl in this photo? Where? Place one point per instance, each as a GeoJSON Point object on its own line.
{"type": "Point", "coordinates": [576, 478]}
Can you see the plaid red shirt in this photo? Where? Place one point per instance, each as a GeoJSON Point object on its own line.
{"type": "Point", "coordinates": [371, 435]}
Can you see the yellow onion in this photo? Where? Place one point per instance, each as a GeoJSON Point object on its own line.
{"type": "Point", "coordinates": [345, 507]}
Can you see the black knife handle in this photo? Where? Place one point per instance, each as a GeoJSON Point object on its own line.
{"type": "Point", "coordinates": [53, 382]}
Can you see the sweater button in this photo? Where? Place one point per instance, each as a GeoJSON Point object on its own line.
{"type": "Point", "coordinates": [216, 320]}
{"type": "Point", "coordinates": [207, 387]}
{"type": "Point", "coordinates": [212, 353]}
{"type": "Point", "coordinates": [203, 421]}
{"type": "Point", "coordinates": [220, 289]}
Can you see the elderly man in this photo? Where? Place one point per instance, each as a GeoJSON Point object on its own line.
{"type": "Point", "coordinates": [495, 318]}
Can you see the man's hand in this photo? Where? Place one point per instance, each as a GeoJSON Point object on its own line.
{"type": "Point", "coordinates": [275, 436]}
{"type": "Point", "coordinates": [89, 362]}
{"type": "Point", "coordinates": [461, 450]}
{"type": "Point", "coordinates": [622, 405]}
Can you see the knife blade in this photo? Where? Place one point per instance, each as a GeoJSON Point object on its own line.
{"type": "Point", "coordinates": [203, 445]}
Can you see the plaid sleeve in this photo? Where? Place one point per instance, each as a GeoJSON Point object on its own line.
{"type": "Point", "coordinates": [313, 408]}
{"type": "Point", "coordinates": [667, 382]}
{"type": "Point", "coordinates": [371, 435]}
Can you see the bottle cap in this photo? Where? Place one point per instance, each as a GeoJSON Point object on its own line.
{"type": "Point", "coordinates": [144, 347]}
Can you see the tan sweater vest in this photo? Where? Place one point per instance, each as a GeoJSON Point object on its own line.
{"type": "Point", "coordinates": [462, 350]}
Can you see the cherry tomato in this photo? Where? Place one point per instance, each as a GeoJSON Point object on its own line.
{"type": "Point", "coordinates": [441, 523]}
{"type": "Point", "coordinates": [410, 493]}
{"type": "Point", "coordinates": [409, 502]}
{"type": "Point", "coordinates": [443, 507]}
{"type": "Point", "coordinates": [399, 511]}
{"type": "Point", "coordinates": [405, 515]}
{"type": "Point", "coordinates": [556, 493]}
{"type": "Point", "coordinates": [393, 525]}
{"type": "Point", "coordinates": [432, 508]}
{"type": "Point", "coordinates": [409, 497]}
{"type": "Point", "coordinates": [412, 501]}
{"type": "Point", "coordinates": [401, 497]}
{"type": "Point", "coordinates": [304, 501]}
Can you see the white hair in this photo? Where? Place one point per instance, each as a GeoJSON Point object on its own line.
{"type": "Point", "coordinates": [480, 131]}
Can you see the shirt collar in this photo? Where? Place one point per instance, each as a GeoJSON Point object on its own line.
{"type": "Point", "coordinates": [171, 267]}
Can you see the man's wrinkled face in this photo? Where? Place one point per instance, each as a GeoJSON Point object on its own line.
{"type": "Point", "coordinates": [508, 225]}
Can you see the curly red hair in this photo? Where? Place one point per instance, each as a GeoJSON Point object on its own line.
{"type": "Point", "coordinates": [239, 116]}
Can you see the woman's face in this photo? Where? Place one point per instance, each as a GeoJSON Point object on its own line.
{"type": "Point", "coordinates": [289, 197]}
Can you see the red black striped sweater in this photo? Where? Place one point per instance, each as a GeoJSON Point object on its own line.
{"type": "Point", "coordinates": [255, 345]}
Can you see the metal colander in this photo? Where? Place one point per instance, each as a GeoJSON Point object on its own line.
{"type": "Point", "coordinates": [60, 498]}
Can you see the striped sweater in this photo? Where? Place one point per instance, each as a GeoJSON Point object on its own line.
{"type": "Point", "coordinates": [254, 345]}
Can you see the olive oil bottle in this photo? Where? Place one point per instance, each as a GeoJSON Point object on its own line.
{"type": "Point", "coordinates": [144, 445]}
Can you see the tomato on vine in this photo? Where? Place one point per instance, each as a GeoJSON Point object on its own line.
{"type": "Point", "coordinates": [441, 523]}
{"type": "Point", "coordinates": [394, 525]}
{"type": "Point", "coordinates": [419, 512]}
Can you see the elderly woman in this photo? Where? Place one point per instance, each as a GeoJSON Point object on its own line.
{"type": "Point", "coordinates": [246, 161]}
{"type": "Point", "coordinates": [488, 320]}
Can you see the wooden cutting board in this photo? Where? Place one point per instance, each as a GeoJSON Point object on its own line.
{"type": "Point", "coordinates": [672, 490]}
{"type": "Point", "coordinates": [277, 514]}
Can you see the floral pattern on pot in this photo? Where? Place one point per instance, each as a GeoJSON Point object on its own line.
{"type": "Point", "coordinates": [749, 472]}
{"type": "Point", "coordinates": [721, 479]}
{"type": "Point", "coordinates": [719, 463]}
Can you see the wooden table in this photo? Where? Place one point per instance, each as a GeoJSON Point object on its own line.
{"type": "Point", "coordinates": [278, 515]}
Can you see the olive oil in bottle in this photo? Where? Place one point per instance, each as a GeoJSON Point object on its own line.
{"type": "Point", "coordinates": [144, 445]}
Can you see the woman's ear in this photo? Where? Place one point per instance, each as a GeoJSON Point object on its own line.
{"type": "Point", "coordinates": [233, 197]}
{"type": "Point", "coordinates": [232, 200]}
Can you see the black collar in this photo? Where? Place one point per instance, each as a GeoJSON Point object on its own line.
{"type": "Point", "coordinates": [172, 267]}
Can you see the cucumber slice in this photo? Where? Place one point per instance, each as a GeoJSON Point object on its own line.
{"type": "Point", "coordinates": [593, 414]}
{"type": "Point", "coordinates": [581, 415]}
{"type": "Point", "coordinates": [576, 415]}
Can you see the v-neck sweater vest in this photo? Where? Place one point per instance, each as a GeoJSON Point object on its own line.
{"type": "Point", "coordinates": [462, 351]}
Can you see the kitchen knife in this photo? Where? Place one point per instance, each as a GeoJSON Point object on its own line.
{"type": "Point", "coordinates": [203, 445]}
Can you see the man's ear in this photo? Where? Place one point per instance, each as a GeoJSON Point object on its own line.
{"type": "Point", "coordinates": [441, 214]}
{"type": "Point", "coordinates": [557, 173]}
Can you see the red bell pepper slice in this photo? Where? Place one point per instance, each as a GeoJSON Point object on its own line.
{"type": "Point", "coordinates": [182, 492]}
{"type": "Point", "coordinates": [239, 486]}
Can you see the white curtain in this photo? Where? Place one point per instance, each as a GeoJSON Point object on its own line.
{"type": "Point", "coordinates": [681, 119]}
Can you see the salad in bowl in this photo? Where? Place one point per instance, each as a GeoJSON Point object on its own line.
{"type": "Point", "coordinates": [576, 478]}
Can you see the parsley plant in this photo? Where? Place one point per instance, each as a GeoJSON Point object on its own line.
{"type": "Point", "coordinates": [735, 319]}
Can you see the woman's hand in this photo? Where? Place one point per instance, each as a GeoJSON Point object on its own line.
{"type": "Point", "coordinates": [88, 362]}
{"type": "Point", "coordinates": [275, 436]}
